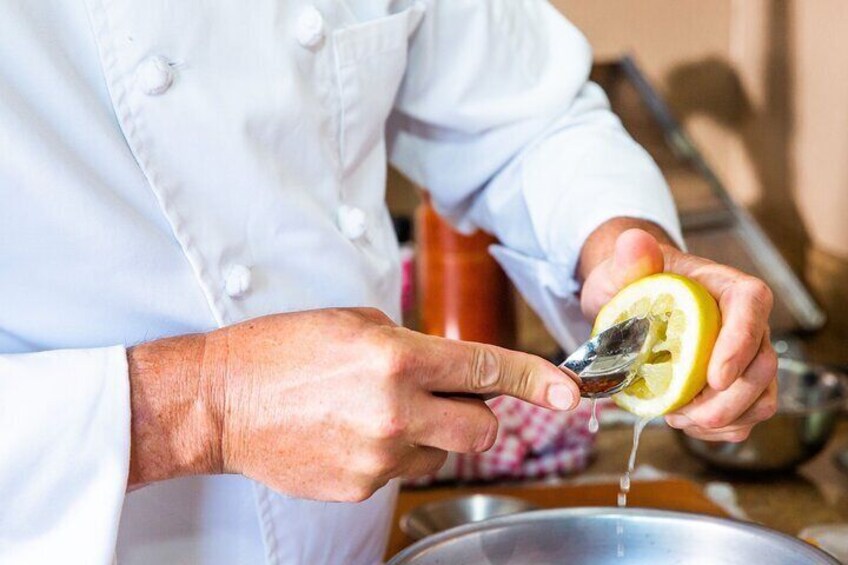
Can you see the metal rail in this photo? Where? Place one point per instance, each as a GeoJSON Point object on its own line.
{"type": "Point", "coordinates": [762, 251]}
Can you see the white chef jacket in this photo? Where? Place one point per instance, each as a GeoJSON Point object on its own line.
{"type": "Point", "coordinates": [171, 167]}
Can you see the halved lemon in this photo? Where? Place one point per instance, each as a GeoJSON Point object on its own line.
{"type": "Point", "coordinates": [685, 320]}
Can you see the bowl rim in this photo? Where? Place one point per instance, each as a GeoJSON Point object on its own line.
{"type": "Point", "coordinates": [404, 520]}
{"type": "Point", "coordinates": [797, 366]}
{"type": "Point", "coordinates": [804, 548]}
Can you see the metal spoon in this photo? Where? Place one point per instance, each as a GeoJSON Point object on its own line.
{"type": "Point", "coordinates": [604, 362]}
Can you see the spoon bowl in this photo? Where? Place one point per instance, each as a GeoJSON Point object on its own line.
{"type": "Point", "coordinates": [605, 362]}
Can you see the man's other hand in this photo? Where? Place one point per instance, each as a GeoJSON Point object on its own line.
{"type": "Point", "coordinates": [324, 404]}
{"type": "Point", "coordinates": [741, 377]}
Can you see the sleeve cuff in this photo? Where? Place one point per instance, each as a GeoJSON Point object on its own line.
{"type": "Point", "coordinates": [64, 470]}
{"type": "Point", "coordinates": [550, 289]}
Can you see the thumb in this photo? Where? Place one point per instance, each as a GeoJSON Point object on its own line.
{"type": "Point", "coordinates": [532, 379]}
{"type": "Point", "coordinates": [637, 254]}
{"type": "Point", "coordinates": [487, 370]}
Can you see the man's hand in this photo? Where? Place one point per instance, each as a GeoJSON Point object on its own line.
{"type": "Point", "coordinates": [326, 404]}
{"type": "Point", "coordinates": [742, 385]}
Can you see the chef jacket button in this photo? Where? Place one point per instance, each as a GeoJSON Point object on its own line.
{"type": "Point", "coordinates": [155, 75]}
{"type": "Point", "coordinates": [351, 221]}
{"type": "Point", "coordinates": [237, 282]}
{"type": "Point", "coordinates": [310, 27]}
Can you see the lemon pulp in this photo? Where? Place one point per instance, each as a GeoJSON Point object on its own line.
{"type": "Point", "coordinates": [685, 321]}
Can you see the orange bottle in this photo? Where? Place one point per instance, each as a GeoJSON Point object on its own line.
{"type": "Point", "coordinates": [463, 293]}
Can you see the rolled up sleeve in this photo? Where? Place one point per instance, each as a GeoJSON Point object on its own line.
{"type": "Point", "coordinates": [64, 454]}
{"type": "Point", "coordinates": [498, 120]}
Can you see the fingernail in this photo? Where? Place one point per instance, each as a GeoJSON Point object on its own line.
{"type": "Point", "coordinates": [561, 396]}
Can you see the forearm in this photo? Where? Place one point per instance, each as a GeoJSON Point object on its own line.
{"type": "Point", "coordinates": [175, 404]}
{"type": "Point", "coordinates": [601, 243]}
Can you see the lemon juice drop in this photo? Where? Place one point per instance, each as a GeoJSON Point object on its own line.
{"type": "Point", "coordinates": [593, 418]}
{"type": "Point", "coordinates": [624, 481]}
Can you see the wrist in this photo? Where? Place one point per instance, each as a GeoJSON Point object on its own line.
{"type": "Point", "coordinates": [175, 429]}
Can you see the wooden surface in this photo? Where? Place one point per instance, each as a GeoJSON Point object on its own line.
{"type": "Point", "coordinates": [675, 494]}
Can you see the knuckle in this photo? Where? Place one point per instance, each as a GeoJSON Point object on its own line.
{"type": "Point", "coordinates": [484, 369]}
{"type": "Point", "coordinates": [342, 316]}
{"type": "Point", "coordinates": [764, 294]}
{"type": "Point", "coordinates": [374, 315]}
{"type": "Point", "coordinates": [391, 424]}
{"type": "Point", "coordinates": [389, 355]}
{"type": "Point", "coordinates": [341, 312]}
{"type": "Point", "coordinates": [759, 292]}
{"type": "Point", "coordinates": [394, 360]}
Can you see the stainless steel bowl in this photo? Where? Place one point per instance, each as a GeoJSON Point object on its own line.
{"type": "Point", "coordinates": [598, 536]}
{"type": "Point", "coordinates": [435, 517]}
{"type": "Point", "coordinates": [810, 400]}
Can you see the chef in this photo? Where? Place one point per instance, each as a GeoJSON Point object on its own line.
{"type": "Point", "coordinates": [200, 360]}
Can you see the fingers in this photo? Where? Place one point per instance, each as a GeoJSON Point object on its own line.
{"type": "Point", "coordinates": [764, 408]}
{"type": "Point", "coordinates": [733, 434]}
{"type": "Point", "coordinates": [462, 425]}
{"type": "Point", "coordinates": [745, 308]}
{"type": "Point", "coordinates": [745, 304]}
{"type": "Point", "coordinates": [485, 369]}
{"type": "Point", "coordinates": [423, 461]}
{"type": "Point", "coordinates": [714, 409]}
{"type": "Point", "coordinates": [736, 430]}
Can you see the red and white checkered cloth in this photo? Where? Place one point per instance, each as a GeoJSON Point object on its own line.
{"type": "Point", "coordinates": [532, 443]}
